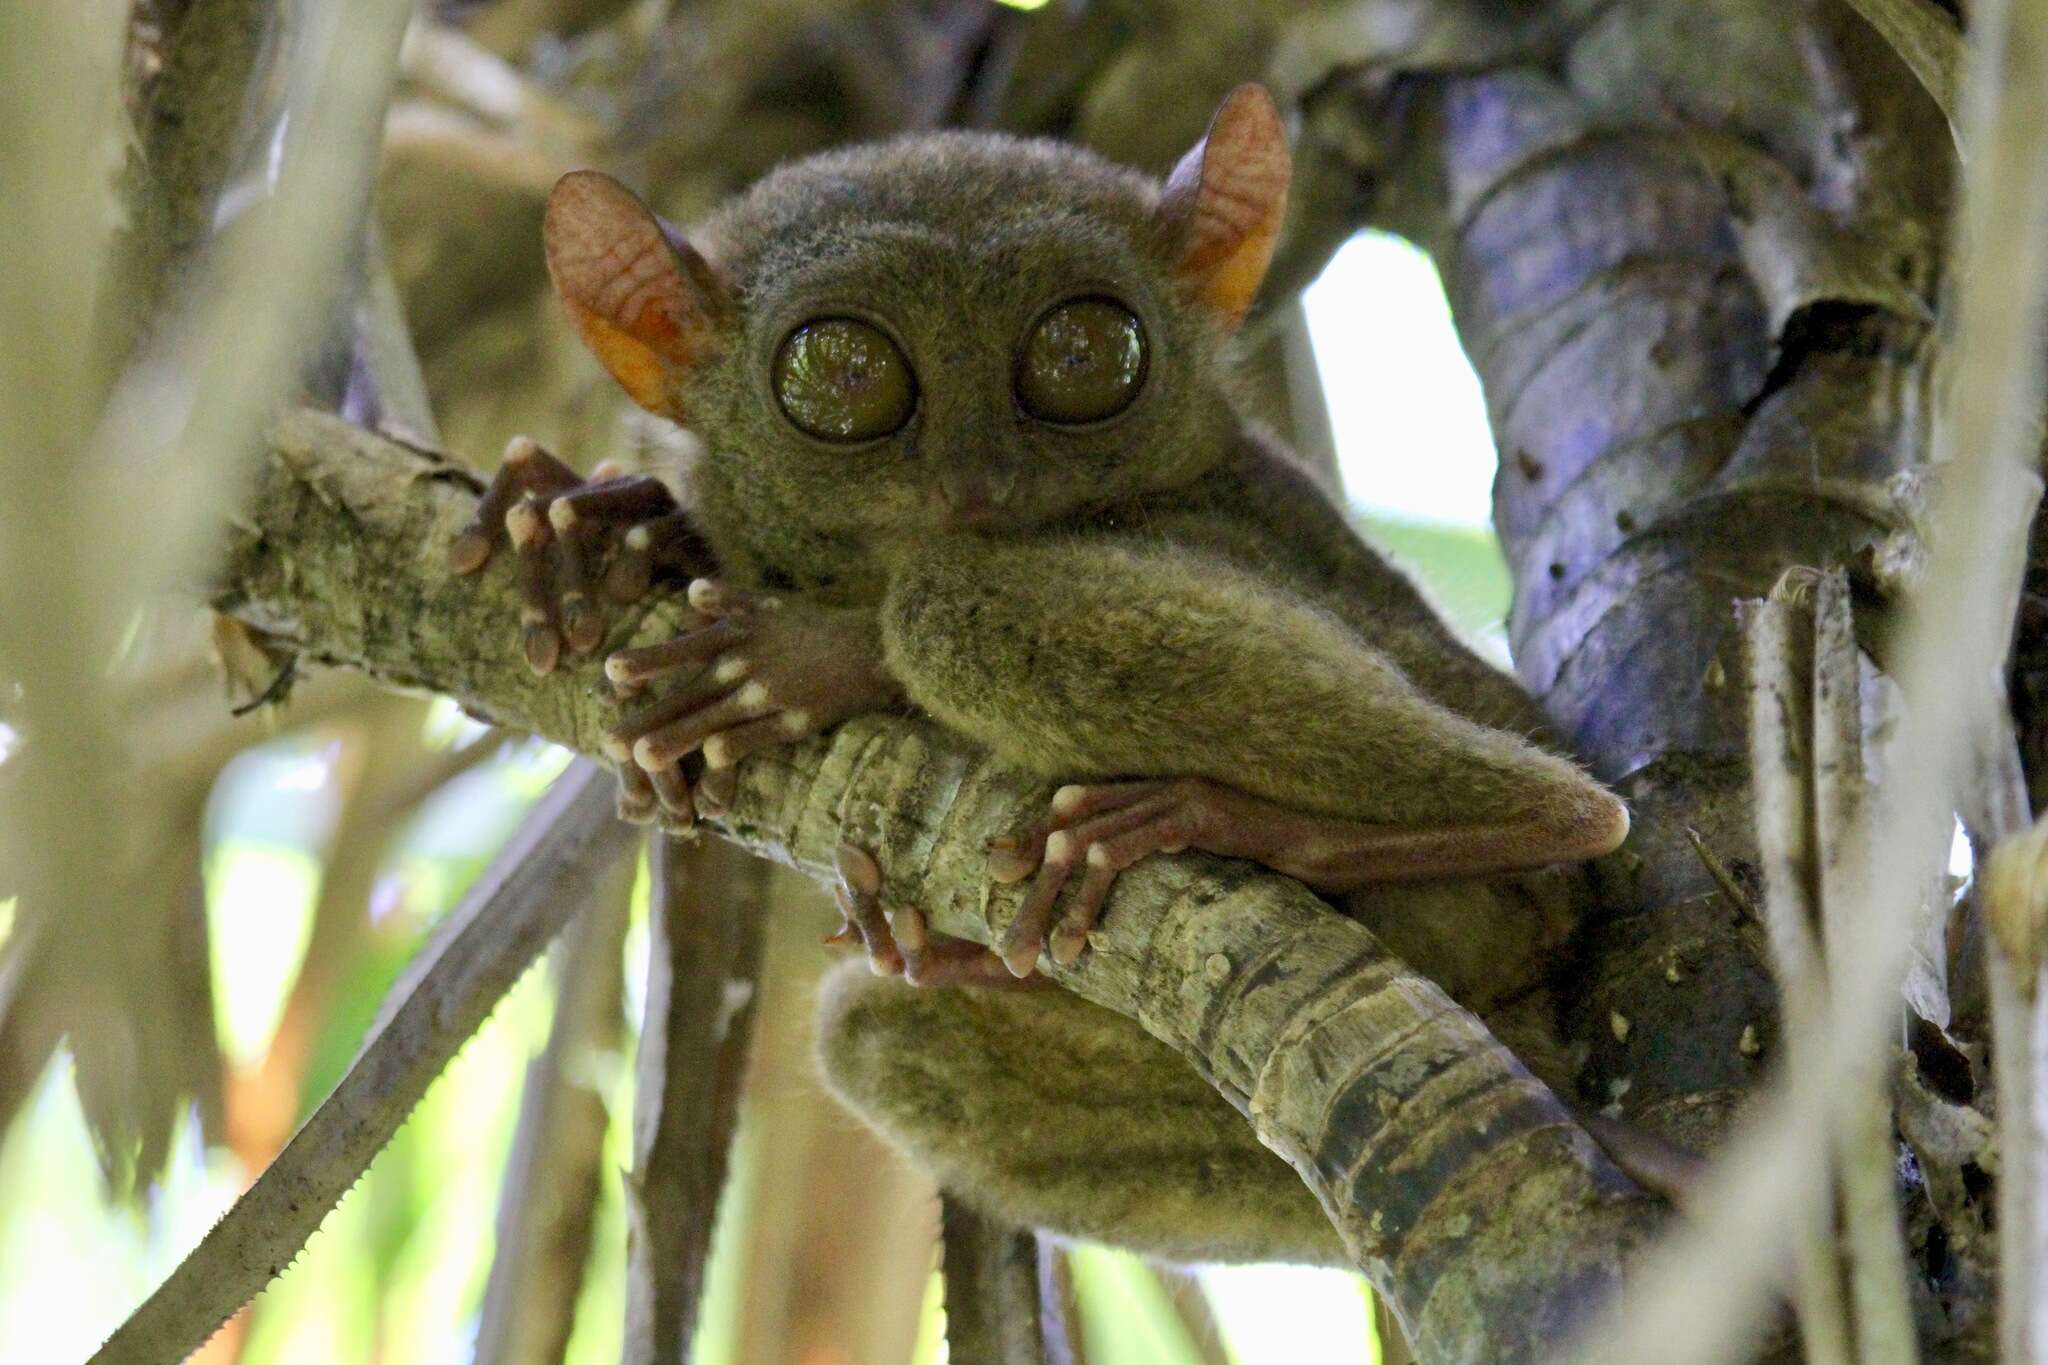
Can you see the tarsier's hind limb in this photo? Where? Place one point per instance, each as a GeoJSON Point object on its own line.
{"type": "Point", "coordinates": [1052, 1112]}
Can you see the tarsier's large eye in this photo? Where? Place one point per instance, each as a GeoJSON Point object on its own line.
{"type": "Point", "coordinates": [1082, 362]}
{"type": "Point", "coordinates": [842, 380]}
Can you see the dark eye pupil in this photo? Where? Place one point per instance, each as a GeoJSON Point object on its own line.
{"type": "Point", "coordinates": [842, 380]}
{"type": "Point", "coordinates": [1083, 362]}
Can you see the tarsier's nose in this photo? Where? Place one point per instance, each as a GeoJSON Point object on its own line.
{"type": "Point", "coordinates": [975, 496]}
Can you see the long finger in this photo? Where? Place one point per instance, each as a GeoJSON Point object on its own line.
{"type": "Point", "coordinates": [859, 896]}
{"type": "Point", "coordinates": [960, 962]}
{"type": "Point", "coordinates": [716, 597]}
{"type": "Point", "coordinates": [723, 751]}
{"type": "Point", "coordinates": [691, 649]}
{"type": "Point", "coordinates": [1020, 942]}
{"type": "Point", "coordinates": [1106, 860]}
{"type": "Point", "coordinates": [636, 791]}
{"type": "Point", "coordinates": [540, 635]}
{"type": "Point", "coordinates": [1064, 850]}
{"type": "Point", "coordinates": [1013, 857]}
{"type": "Point", "coordinates": [661, 747]}
{"type": "Point", "coordinates": [525, 468]}
{"type": "Point", "coordinates": [670, 542]}
{"type": "Point", "coordinates": [582, 622]}
{"type": "Point", "coordinates": [668, 708]}
{"type": "Point", "coordinates": [678, 811]}
{"type": "Point", "coordinates": [726, 748]}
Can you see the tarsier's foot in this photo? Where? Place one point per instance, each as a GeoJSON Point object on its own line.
{"type": "Point", "coordinates": [901, 942]}
{"type": "Point", "coordinates": [662, 798]}
{"type": "Point", "coordinates": [763, 670]}
{"type": "Point", "coordinates": [560, 526]}
{"type": "Point", "coordinates": [1103, 828]}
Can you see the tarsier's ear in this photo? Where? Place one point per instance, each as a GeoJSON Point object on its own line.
{"type": "Point", "coordinates": [645, 301]}
{"type": "Point", "coordinates": [1220, 213]}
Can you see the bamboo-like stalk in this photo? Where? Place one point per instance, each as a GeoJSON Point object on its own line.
{"type": "Point", "coordinates": [235, 334]}
{"type": "Point", "coordinates": [703, 983]}
{"type": "Point", "coordinates": [65, 815]}
{"type": "Point", "coordinates": [204, 111]}
{"type": "Point", "coordinates": [1866, 1153]}
{"type": "Point", "coordinates": [1184, 1293]}
{"type": "Point", "coordinates": [517, 906]}
{"type": "Point", "coordinates": [549, 1193]}
{"type": "Point", "coordinates": [1995, 381]}
{"type": "Point", "coordinates": [837, 1246]}
{"type": "Point", "coordinates": [1059, 1320]}
{"type": "Point", "coordinates": [1780, 730]}
{"type": "Point", "coordinates": [384, 355]}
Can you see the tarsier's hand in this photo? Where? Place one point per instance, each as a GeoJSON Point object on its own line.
{"type": "Point", "coordinates": [561, 526]}
{"type": "Point", "coordinates": [763, 669]}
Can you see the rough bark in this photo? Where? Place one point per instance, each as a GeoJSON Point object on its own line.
{"type": "Point", "coordinates": [1461, 1185]}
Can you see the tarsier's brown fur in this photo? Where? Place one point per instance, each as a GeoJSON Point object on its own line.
{"type": "Point", "coordinates": [1161, 594]}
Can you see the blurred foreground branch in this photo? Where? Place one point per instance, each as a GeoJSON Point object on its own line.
{"type": "Point", "coordinates": [1460, 1184]}
{"type": "Point", "coordinates": [547, 871]}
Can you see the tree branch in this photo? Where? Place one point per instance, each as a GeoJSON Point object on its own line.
{"type": "Point", "coordinates": [1460, 1184]}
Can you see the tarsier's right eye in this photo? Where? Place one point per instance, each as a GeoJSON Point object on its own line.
{"type": "Point", "coordinates": [841, 380]}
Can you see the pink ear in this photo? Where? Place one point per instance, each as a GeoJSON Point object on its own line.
{"type": "Point", "coordinates": [644, 300]}
{"type": "Point", "coordinates": [1222, 207]}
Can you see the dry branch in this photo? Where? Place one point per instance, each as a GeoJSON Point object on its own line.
{"type": "Point", "coordinates": [1460, 1184]}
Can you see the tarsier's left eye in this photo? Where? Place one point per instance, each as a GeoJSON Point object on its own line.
{"type": "Point", "coordinates": [842, 380]}
{"type": "Point", "coordinates": [1082, 362]}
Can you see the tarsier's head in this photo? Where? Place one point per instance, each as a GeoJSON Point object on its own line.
{"type": "Point", "coordinates": [955, 330]}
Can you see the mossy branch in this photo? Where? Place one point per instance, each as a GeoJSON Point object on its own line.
{"type": "Point", "coordinates": [1460, 1184]}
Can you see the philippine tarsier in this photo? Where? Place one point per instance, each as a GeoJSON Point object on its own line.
{"type": "Point", "coordinates": [970, 444]}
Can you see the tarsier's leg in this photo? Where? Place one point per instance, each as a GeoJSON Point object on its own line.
{"type": "Point", "coordinates": [1051, 1112]}
{"type": "Point", "coordinates": [1101, 829]}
